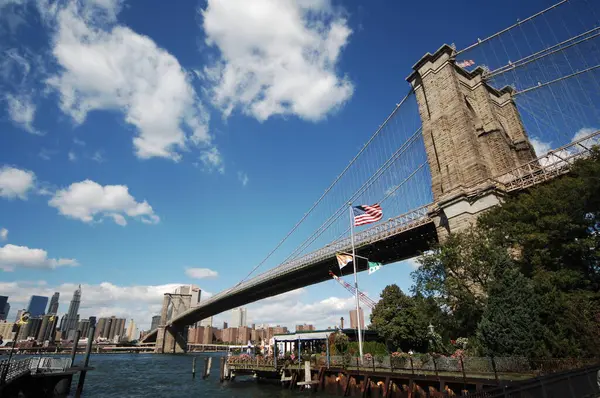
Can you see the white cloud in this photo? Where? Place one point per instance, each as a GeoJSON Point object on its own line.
{"type": "Point", "coordinates": [277, 57]}
{"type": "Point", "coordinates": [106, 66]}
{"type": "Point", "coordinates": [12, 256]}
{"type": "Point", "coordinates": [295, 307]}
{"type": "Point", "coordinates": [243, 177]}
{"type": "Point", "coordinates": [21, 111]}
{"type": "Point", "coordinates": [540, 147]}
{"type": "Point", "coordinates": [413, 263]}
{"type": "Point", "coordinates": [3, 234]}
{"type": "Point", "coordinates": [15, 183]}
{"type": "Point", "coordinates": [72, 156]}
{"type": "Point", "coordinates": [86, 199]}
{"type": "Point", "coordinates": [584, 132]}
{"type": "Point", "coordinates": [212, 160]}
{"type": "Point", "coordinates": [98, 157]}
{"type": "Point", "coordinates": [201, 273]}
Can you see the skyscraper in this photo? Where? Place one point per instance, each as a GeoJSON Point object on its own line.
{"type": "Point", "coordinates": [207, 322]}
{"type": "Point", "coordinates": [53, 307]}
{"type": "Point", "coordinates": [37, 306]}
{"type": "Point", "coordinates": [238, 317]}
{"type": "Point", "coordinates": [131, 333]}
{"type": "Point", "coordinates": [155, 322]}
{"type": "Point", "coordinates": [6, 311]}
{"type": "Point", "coordinates": [72, 319]}
{"type": "Point", "coordinates": [3, 312]}
{"type": "Point", "coordinates": [354, 321]}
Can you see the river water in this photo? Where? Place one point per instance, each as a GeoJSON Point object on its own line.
{"type": "Point", "coordinates": [157, 376]}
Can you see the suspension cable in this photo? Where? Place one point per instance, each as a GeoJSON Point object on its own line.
{"type": "Point", "coordinates": [511, 27]}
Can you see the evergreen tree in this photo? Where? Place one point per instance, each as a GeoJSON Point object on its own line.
{"type": "Point", "coordinates": [510, 324]}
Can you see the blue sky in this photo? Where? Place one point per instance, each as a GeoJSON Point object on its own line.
{"type": "Point", "coordinates": [140, 139]}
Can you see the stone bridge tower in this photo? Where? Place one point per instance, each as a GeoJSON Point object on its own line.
{"type": "Point", "coordinates": [472, 133]}
{"type": "Point", "coordinates": [170, 338]}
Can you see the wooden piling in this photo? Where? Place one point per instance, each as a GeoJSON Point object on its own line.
{"type": "Point", "coordinates": [194, 367]}
{"type": "Point", "coordinates": [74, 348]}
{"type": "Point", "coordinates": [205, 372]}
{"type": "Point", "coordinates": [222, 369]}
{"type": "Point", "coordinates": [86, 361]}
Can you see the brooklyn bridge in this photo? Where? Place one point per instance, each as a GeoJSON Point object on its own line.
{"type": "Point", "coordinates": [475, 124]}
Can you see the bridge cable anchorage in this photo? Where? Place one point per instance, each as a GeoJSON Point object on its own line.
{"type": "Point", "coordinates": [342, 208]}
{"type": "Point", "coordinates": [410, 92]}
{"type": "Point", "coordinates": [519, 23]}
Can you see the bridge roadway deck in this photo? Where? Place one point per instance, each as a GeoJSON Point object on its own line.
{"type": "Point", "coordinates": [396, 239]}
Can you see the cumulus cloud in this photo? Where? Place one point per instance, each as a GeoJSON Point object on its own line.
{"type": "Point", "coordinates": [413, 263]}
{"type": "Point", "coordinates": [107, 66]}
{"type": "Point", "coordinates": [12, 257]}
{"type": "Point", "coordinates": [295, 307]}
{"type": "Point", "coordinates": [3, 234]}
{"type": "Point", "coordinates": [72, 156]}
{"type": "Point", "coordinates": [212, 160]}
{"type": "Point", "coordinates": [87, 199]}
{"type": "Point", "coordinates": [243, 177]}
{"type": "Point", "coordinates": [21, 111]}
{"type": "Point", "coordinates": [201, 273]}
{"type": "Point", "coordinates": [15, 183]}
{"type": "Point", "coordinates": [276, 57]}
{"type": "Point", "coordinates": [540, 147]}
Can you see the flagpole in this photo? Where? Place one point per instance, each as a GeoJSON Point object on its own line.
{"type": "Point", "coordinates": [360, 347]}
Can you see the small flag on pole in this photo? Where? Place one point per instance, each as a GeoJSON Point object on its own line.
{"type": "Point", "coordinates": [465, 63]}
{"type": "Point", "coordinates": [343, 259]}
{"type": "Point", "coordinates": [373, 266]}
{"type": "Point", "coordinates": [366, 214]}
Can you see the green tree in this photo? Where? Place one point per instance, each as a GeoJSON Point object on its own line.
{"type": "Point", "coordinates": [398, 321]}
{"type": "Point", "coordinates": [456, 275]}
{"type": "Point", "coordinates": [510, 324]}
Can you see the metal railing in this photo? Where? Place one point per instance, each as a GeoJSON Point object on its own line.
{"type": "Point", "coordinates": [549, 166]}
{"type": "Point", "coordinates": [13, 369]}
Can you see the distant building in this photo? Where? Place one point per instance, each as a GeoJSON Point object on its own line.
{"type": "Point", "coordinates": [37, 306]}
{"type": "Point", "coordinates": [3, 310]}
{"type": "Point", "coordinates": [244, 335]}
{"type": "Point", "coordinates": [53, 307]}
{"type": "Point", "coordinates": [207, 322]}
{"type": "Point", "coordinates": [354, 321]}
{"type": "Point", "coordinates": [84, 327]}
{"type": "Point", "coordinates": [225, 325]}
{"type": "Point", "coordinates": [6, 330]}
{"type": "Point", "coordinates": [92, 321]}
{"type": "Point", "coordinates": [238, 317]}
{"type": "Point", "coordinates": [19, 313]}
{"type": "Point", "coordinates": [111, 328]}
{"type": "Point", "coordinates": [131, 333]}
{"type": "Point", "coordinates": [155, 322]}
{"type": "Point", "coordinates": [72, 318]}
{"type": "Point", "coordinates": [47, 328]}
{"type": "Point", "coordinates": [305, 328]}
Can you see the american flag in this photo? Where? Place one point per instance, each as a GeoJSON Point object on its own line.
{"type": "Point", "coordinates": [366, 214]}
{"type": "Point", "coordinates": [465, 63]}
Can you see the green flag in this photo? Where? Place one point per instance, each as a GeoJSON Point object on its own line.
{"type": "Point", "coordinates": [373, 266]}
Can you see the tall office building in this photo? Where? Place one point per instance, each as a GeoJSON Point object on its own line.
{"type": "Point", "coordinates": [47, 328]}
{"type": "Point", "coordinates": [238, 317]}
{"type": "Point", "coordinates": [131, 333]}
{"type": "Point", "coordinates": [72, 318]}
{"type": "Point", "coordinates": [19, 313]}
{"type": "Point", "coordinates": [84, 327]}
{"type": "Point", "coordinates": [92, 321]}
{"type": "Point", "coordinates": [354, 321]}
{"type": "Point", "coordinates": [155, 322]}
{"type": "Point", "coordinates": [53, 307]}
{"type": "Point", "coordinates": [37, 306]}
{"type": "Point", "coordinates": [6, 311]}
{"type": "Point", "coordinates": [3, 312]}
{"type": "Point", "coordinates": [207, 322]}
